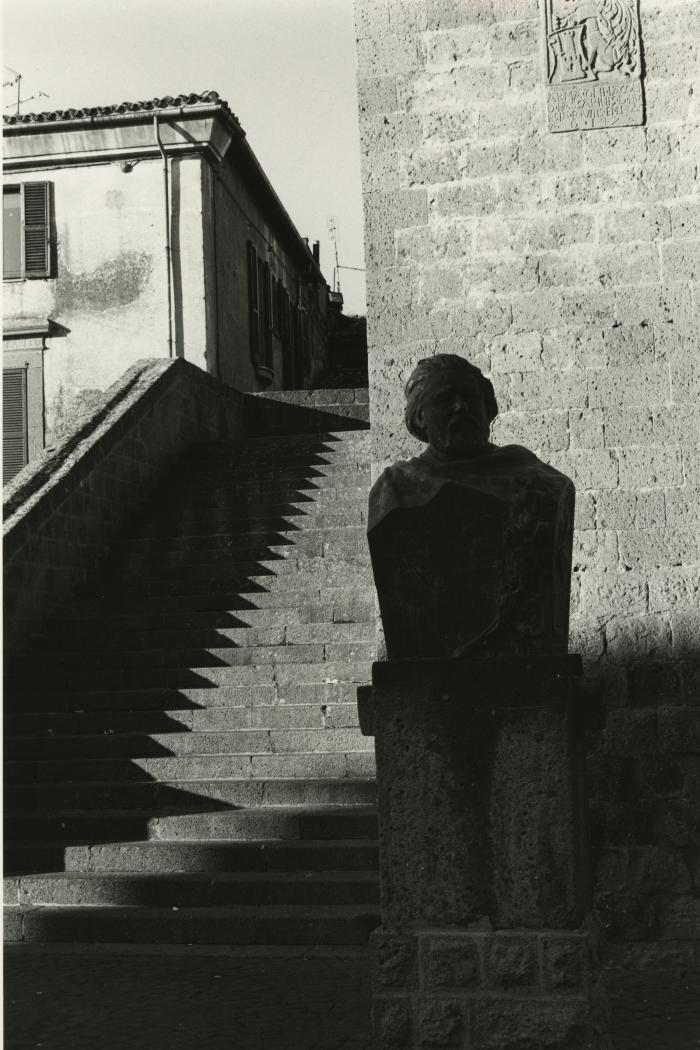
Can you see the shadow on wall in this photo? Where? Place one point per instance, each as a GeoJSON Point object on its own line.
{"type": "Point", "coordinates": [644, 789]}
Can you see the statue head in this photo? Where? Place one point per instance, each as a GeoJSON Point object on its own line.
{"type": "Point", "coordinates": [450, 404]}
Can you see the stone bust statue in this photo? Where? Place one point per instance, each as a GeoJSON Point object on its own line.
{"type": "Point", "coordinates": [470, 542]}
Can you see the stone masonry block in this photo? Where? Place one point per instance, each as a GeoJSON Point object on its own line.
{"type": "Point", "coordinates": [516, 40]}
{"type": "Point", "coordinates": [589, 468]}
{"type": "Point", "coordinates": [614, 593]}
{"type": "Point", "coordinates": [429, 92]}
{"type": "Point", "coordinates": [586, 428]}
{"type": "Point", "coordinates": [646, 223]}
{"type": "Point", "coordinates": [390, 131]}
{"type": "Point", "coordinates": [683, 507]}
{"type": "Point", "coordinates": [631, 510]}
{"type": "Point", "coordinates": [671, 61]}
{"type": "Point", "coordinates": [654, 304]}
{"type": "Point", "coordinates": [658, 548]}
{"type": "Point", "coordinates": [562, 390]}
{"type": "Point", "coordinates": [567, 962]}
{"type": "Point", "coordinates": [685, 628]}
{"type": "Point", "coordinates": [673, 21]}
{"type": "Point", "coordinates": [377, 94]}
{"type": "Point", "coordinates": [442, 1023]}
{"type": "Point", "coordinates": [394, 960]}
{"type": "Point", "coordinates": [512, 961]}
{"type": "Point", "coordinates": [629, 346]}
{"type": "Point", "coordinates": [681, 261]}
{"type": "Point", "coordinates": [447, 48]}
{"type": "Point", "coordinates": [449, 127]}
{"type": "Point", "coordinates": [474, 198]}
{"type": "Point", "coordinates": [451, 961]}
{"type": "Point", "coordinates": [679, 727]}
{"type": "Point", "coordinates": [387, 212]}
{"type": "Point", "coordinates": [620, 388]}
{"type": "Point", "coordinates": [629, 731]}
{"type": "Point", "coordinates": [393, 1023]}
{"type": "Point", "coordinates": [650, 467]}
{"type": "Point", "coordinates": [651, 684]}
{"type": "Point", "coordinates": [382, 50]}
{"type": "Point", "coordinates": [518, 352]}
{"type": "Point", "coordinates": [513, 1024]}
{"type": "Point", "coordinates": [685, 220]}
{"type": "Point", "coordinates": [542, 431]}
{"type": "Point", "coordinates": [544, 152]}
{"type": "Point", "coordinates": [674, 589]}
{"type": "Point", "coordinates": [499, 120]}
{"type": "Point", "coordinates": [644, 637]}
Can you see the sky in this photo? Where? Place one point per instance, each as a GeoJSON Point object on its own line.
{"type": "Point", "coordinates": [286, 68]}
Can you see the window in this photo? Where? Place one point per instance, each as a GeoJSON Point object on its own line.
{"type": "Point", "coordinates": [259, 310]}
{"type": "Point", "coordinates": [26, 231]}
{"type": "Point", "coordinates": [15, 453]}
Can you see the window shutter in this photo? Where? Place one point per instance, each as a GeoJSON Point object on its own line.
{"type": "Point", "coordinates": [36, 229]}
{"type": "Point", "coordinates": [267, 316]}
{"type": "Point", "coordinates": [253, 304]}
{"type": "Point", "coordinates": [14, 422]}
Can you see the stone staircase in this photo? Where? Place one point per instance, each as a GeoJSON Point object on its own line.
{"type": "Point", "coordinates": [183, 760]}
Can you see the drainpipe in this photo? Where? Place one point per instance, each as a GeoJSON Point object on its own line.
{"type": "Point", "coordinates": [168, 250]}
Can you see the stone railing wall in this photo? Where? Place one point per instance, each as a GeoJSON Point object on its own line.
{"type": "Point", "coordinates": [62, 511]}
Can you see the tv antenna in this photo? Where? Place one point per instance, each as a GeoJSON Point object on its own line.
{"type": "Point", "coordinates": [16, 78]}
{"type": "Point", "coordinates": [333, 238]}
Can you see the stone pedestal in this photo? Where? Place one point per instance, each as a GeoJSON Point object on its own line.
{"type": "Point", "coordinates": [486, 939]}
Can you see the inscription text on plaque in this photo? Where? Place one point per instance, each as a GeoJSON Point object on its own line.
{"type": "Point", "coordinates": [594, 66]}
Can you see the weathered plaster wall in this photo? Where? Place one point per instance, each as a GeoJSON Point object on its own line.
{"type": "Point", "coordinates": [568, 267]}
{"type": "Point", "coordinates": [108, 295]}
{"type": "Point", "coordinates": [239, 218]}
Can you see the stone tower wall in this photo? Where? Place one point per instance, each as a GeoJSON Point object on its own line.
{"type": "Point", "coordinates": [567, 265]}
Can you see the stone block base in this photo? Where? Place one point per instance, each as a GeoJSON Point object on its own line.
{"type": "Point", "coordinates": [474, 990]}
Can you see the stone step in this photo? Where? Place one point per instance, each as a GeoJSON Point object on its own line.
{"type": "Point", "coordinates": [268, 717]}
{"type": "Point", "coordinates": [202, 742]}
{"type": "Point", "coordinates": [187, 766]}
{"type": "Point", "coordinates": [357, 606]}
{"type": "Point", "coordinates": [209, 471]}
{"type": "Point", "coordinates": [268, 824]}
{"type": "Point", "coordinates": [353, 445]}
{"type": "Point", "coordinates": [275, 628]}
{"type": "Point", "coordinates": [190, 795]}
{"type": "Point", "coordinates": [253, 578]}
{"type": "Point", "coordinates": [192, 889]}
{"type": "Point", "coordinates": [270, 652]}
{"type": "Point", "coordinates": [225, 696]}
{"type": "Point", "coordinates": [282, 924]}
{"type": "Point", "coordinates": [203, 854]}
{"type": "Point", "coordinates": [249, 546]}
{"type": "Point", "coordinates": [255, 597]}
{"type": "Point", "coordinates": [338, 443]}
{"type": "Point", "coordinates": [290, 521]}
{"type": "Point", "coordinates": [282, 672]}
{"type": "Point", "coordinates": [235, 569]}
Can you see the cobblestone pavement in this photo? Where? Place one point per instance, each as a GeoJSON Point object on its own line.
{"type": "Point", "coordinates": [170, 999]}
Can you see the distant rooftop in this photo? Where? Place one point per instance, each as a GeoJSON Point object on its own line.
{"type": "Point", "coordinates": [59, 116]}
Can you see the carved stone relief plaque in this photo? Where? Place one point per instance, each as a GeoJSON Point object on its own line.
{"type": "Point", "coordinates": [593, 64]}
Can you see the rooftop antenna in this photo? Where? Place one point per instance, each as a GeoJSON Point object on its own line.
{"type": "Point", "coordinates": [333, 237]}
{"type": "Point", "coordinates": [16, 78]}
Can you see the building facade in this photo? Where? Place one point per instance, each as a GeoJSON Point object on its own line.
{"type": "Point", "coordinates": [145, 230]}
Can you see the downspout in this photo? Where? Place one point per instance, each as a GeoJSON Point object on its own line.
{"type": "Point", "coordinates": [168, 250]}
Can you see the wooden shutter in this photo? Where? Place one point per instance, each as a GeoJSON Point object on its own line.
{"type": "Point", "coordinates": [267, 315]}
{"type": "Point", "coordinates": [253, 304]}
{"type": "Point", "coordinates": [37, 257]}
{"type": "Point", "coordinates": [14, 421]}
